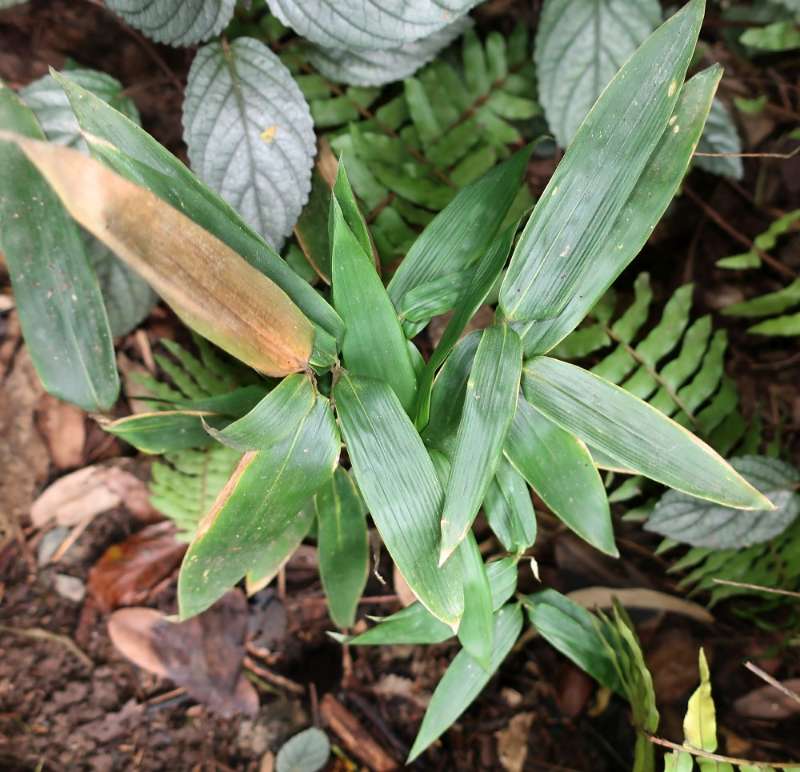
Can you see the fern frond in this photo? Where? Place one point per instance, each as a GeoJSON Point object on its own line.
{"type": "Point", "coordinates": [675, 363]}
{"type": "Point", "coordinates": [184, 484]}
{"type": "Point", "coordinates": [410, 152]}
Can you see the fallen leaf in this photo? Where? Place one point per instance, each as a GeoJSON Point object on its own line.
{"type": "Point", "coordinates": [79, 496]}
{"type": "Point", "coordinates": [203, 654]}
{"type": "Point", "coordinates": [69, 587]}
{"type": "Point", "coordinates": [768, 703]}
{"type": "Point", "coordinates": [24, 459]}
{"type": "Point", "coordinates": [574, 690]}
{"type": "Point", "coordinates": [601, 597]}
{"type": "Point", "coordinates": [512, 742]}
{"type": "Point", "coordinates": [63, 427]}
{"type": "Point", "coordinates": [672, 661]}
{"type": "Point", "coordinates": [127, 572]}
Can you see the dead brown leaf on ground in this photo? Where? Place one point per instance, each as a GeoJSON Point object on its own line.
{"type": "Point", "coordinates": [128, 572]}
{"type": "Point", "coordinates": [768, 703]}
{"type": "Point", "coordinates": [203, 654]}
{"type": "Point", "coordinates": [63, 427]}
{"type": "Point", "coordinates": [90, 491]}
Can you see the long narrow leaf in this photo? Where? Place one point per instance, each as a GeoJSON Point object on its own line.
{"type": "Point", "coordinates": [398, 481]}
{"type": "Point", "coordinates": [272, 418]}
{"type": "Point", "coordinates": [343, 546]}
{"type": "Point", "coordinates": [559, 467]}
{"type": "Point", "coordinates": [260, 516]}
{"type": "Point", "coordinates": [208, 285]}
{"type": "Point", "coordinates": [416, 625]}
{"type": "Point", "coordinates": [509, 509]}
{"type": "Point", "coordinates": [360, 298]}
{"type": "Point", "coordinates": [60, 306]}
{"type": "Point", "coordinates": [647, 203]}
{"type": "Point", "coordinates": [591, 186]}
{"type": "Point", "coordinates": [637, 435]}
{"type": "Point", "coordinates": [481, 281]}
{"type": "Point", "coordinates": [464, 680]}
{"type": "Point", "coordinates": [488, 409]}
{"type": "Point", "coordinates": [476, 631]}
{"type": "Point", "coordinates": [463, 231]}
{"type": "Point", "coordinates": [135, 155]}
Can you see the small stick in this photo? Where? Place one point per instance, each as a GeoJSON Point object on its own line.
{"type": "Point", "coordinates": [760, 588]}
{"type": "Point", "coordinates": [45, 635]}
{"type": "Point", "coordinates": [772, 682]}
{"type": "Point", "coordinates": [274, 678]}
{"type": "Point", "coordinates": [716, 756]}
{"type": "Point", "coordinates": [784, 156]}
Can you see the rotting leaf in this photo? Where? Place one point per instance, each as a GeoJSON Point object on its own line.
{"type": "Point", "coordinates": [204, 654]}
{"type": "Point", "coordinates": [127, 572]}
{"type": "Point", "coordinates": [214, 290]}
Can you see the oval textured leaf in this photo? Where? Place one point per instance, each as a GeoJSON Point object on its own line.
{"type": "Point", "coordinates": [249, 134]}
{"type": "Point", "coordinates": [353, 24]}
{"type": "Point", "coordinates": [647, 203]}
{"type": "Point", "coordinates": [132, 153]}
{"type": "Point", "coordinates": [720, 136]}
{"type": "Point", "coordinates": [399, 484]}
{"type": "Point", "coordinates": [364, 67]}
{"type": "Point", "coordinates": [176, 22]}
{"type": "Point", "coordinates": [51, 105]}
{"type": "Point", "coordinates": [559, 467]}
{"type": "Point", "coordinates": [260, 517]}
{"type": "Point", "coordinates": [491, 399]}
{"type": "Point", "coordinates": [343, 546]}
{"type": "Point", "coordinates": [307, 751]}
{"type": "Point", "coordinates": [580, 205]}
{"type": "Point", "coordinates": [464, 680]}
{"type": "Point", "coordinates": [704, 524]}
{"type": "Point", "coordinates": [637, 435]}
{"type": "Point", "coordinates": [61, 309]}
{"type": "Point", "coordinates": [211, 288]}
{"type": "Point", "coordinates": [128, 299]}
{"type": "Point", "coordinates": [579, 48]}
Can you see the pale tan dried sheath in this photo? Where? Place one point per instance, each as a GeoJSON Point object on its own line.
{"type": "Point", "coordinates": [210, 287]}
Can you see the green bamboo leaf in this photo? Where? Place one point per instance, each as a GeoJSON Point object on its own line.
{"type": "Point", "coordinates": [346, 199]}
{"type": "Point", "coordinates": [399, 483]}
{"type": "Point", "coordinates": [343, 545]}
{"type": "Point", "coordinates": [272, 419]}
{"type": "Point", "coordinates": [509, 509]}
{"type": "Point", "coordinates": [476, 631]}
{"type": "Point", "coordinates": [572, 630]}
{"type": "Point", "coordinates": [464, 680]}
{"type": "Point", "coordinates": [60, 306]}
{"type": "Point", "coordinates": [176, 22]}
{"type": "Point", "coordinates": [481, 279]}
{"type": "Point", "coordinates": [361, 300]}
{"type": "Point", "coordinates": [447, 397]}
{"type": "Point", "coordinates": [645, 206]}
{"type": "Point", "coordinates": [637, 435]}
{"type": "Point", "coordinates": [249, 133]}
{"type": "Point", "coordinates": [559, 467]}
{"type": "Point", "coordinates": [262, 514]}
{"type": "Point", "coordinates": [593, 183]}
{"type": "Point", "coordinates": [491, 399]}
{"type": "Point", "coordinates": [167, 430]}
{"type": "Point", "coordinates": [463, 231]}
{"type": "Point", "coordinates": [416, 625]}
{"type": "Point", "coordinates": [135, 155]}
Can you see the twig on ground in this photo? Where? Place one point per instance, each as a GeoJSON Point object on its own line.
{"type": "Point", "coordinates": [37, 633]}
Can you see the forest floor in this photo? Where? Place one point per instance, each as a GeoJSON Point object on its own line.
{"type": "Point", "coordinates": [69, 700]}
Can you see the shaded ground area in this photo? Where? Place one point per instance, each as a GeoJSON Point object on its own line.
{"type": "Point", "coordinates": [69, 700]}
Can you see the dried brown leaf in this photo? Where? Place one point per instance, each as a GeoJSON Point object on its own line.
{"type": "Point", "coordinates": [203, 654]}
